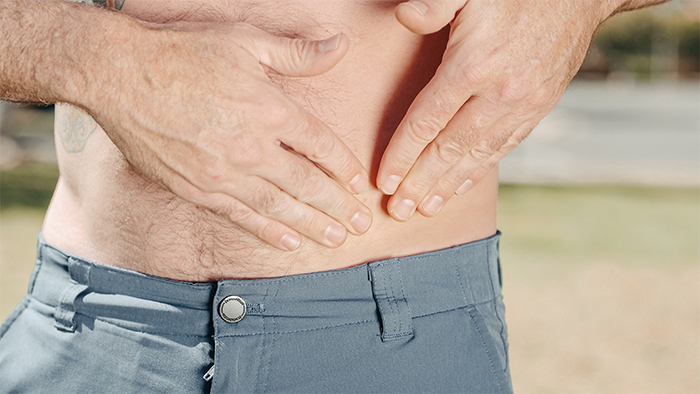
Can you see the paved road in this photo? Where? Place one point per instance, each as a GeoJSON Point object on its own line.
{"type": "Point", "coordinates": [621, 132]}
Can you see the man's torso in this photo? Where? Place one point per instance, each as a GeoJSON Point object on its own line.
{"type": "Point", "coordinates": [106, 211]}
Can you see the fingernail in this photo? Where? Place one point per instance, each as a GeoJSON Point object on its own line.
{"type": "Point", "coordinates": [358, 184]}
{"type": "Point", "coordinates": [360, 222]}
{"type": "Point", "coordinates": [404, 210]}
{"type": "Point", "coordinates": [432, 207]}
{"type": "Point", "coordinates": [391, 184]}
{"type": "Point", "coordinates": [419, 6]}
{"type": "Point", "coordinates": [329, 44]}
{"type": "Point", "coordinates": [335, 234]}
{"type": "Point", "coordinates": [290, 242]}
{"type": "Point", "coordinates": [466, 186]}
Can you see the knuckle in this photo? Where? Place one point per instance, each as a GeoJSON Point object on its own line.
{"type": "Point", "coordinates": [237, 212]}
{"type": "Point", "coordinates": [514, 90]}
{"type": "Point", "coordinates": [324, 148]}
{"type": "Point", "coordinates": [278, 115]}
{"type": "Point", "coordinates": [346, 208]}
{"type": "Point", "coordinates": [247, 152]}
{"type": "Point", "coordinates": [541, 98]}
{"type": "Point", "coordinates": [470, 74]}
{"type": "Point", "coordinates": [482, 151]}
{"type": "Point", "coordinates": [448, 151]}
{"type": "Point", "coordinates": [266, 231]}
{"type": "Point", "coordinates": [230, 208]}
{"type": "Point", "coordinates": [425, 129]}
{"type": "Point", "coordinates": [262, 200]}
{"type": "Point", "coordinates": [313, 188]}
{"type": "Point", "coordinates": [475, 126]}
{"type": "Point", "coordinates": [275, 205]}
{"type": "Point", "coordinates": [211, 177]}
{"type": "Point", "coordinates": [462, 173]}
{"type": "Point", "coordinates": [514, 141]}
{"type": "Point", "coordinates": [298, 53]}
{"type": "Point", "coordinates": [299, 173]}
{"type": "Point", "coordinates": [508, 146]}
{"type": "Point", "coordinates": [272, 112]}
{"type": "Point", "coordinates": [401, 161]}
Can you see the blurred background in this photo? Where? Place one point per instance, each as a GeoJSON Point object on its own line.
{"type": "Point", "coordinates": [599, 207]}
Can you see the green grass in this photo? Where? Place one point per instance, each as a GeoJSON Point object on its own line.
{"type": "Point", "coordinates": [625, 224]}
{"type": "Point", "coordinates": [29, 185]}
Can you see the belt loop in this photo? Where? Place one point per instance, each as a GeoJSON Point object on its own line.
{"type": "Point", "coordinates": [477, 276]}
{"type": "Point", "coordinates": [387, 288]}
{"type": "Point", "coordinates": [64, 315]}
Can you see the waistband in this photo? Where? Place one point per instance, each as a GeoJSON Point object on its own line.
{"type": "Point", "coordinates": [393, 291]}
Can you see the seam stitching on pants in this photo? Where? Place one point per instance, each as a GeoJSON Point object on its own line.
{"type": "Point", "coordinates": [296, 331]}
{"type": "Point", "coordinates": [461, 285]}
{"type": "Point", "coordinates": [19, 309]}
{"type": "Point", "coordinates": [142, 331]}
{"type": "Point", "coordinates": [391, 301]}
{"type": "Point", "coordinates": [272, 341]}
{"type": "Point", "coordinates": [111, 269]}
{"type": "Point", "coordinates": [486, 348]}
{"type": "Point", "coordinates": [452, 309]}
{"type": "Point", "coordinates": [264, 334]}
{"type": "Point", "coordinates": [409, 329]}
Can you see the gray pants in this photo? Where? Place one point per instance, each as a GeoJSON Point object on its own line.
{"type": "Point", "coordinates": [432, 322]}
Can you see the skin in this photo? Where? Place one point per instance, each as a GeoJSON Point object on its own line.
{"type": "Point", "coordinates": [506, 66]}
{"type": "Point", "coordinates": [241, 145]}
{"type": "Point", "coordinates": [200, 134]}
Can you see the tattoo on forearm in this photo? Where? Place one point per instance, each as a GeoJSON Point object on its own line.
{"type": "Point", "coordinates": [74, 130]}
{"type": "Point", "coordinates": [114, 5]}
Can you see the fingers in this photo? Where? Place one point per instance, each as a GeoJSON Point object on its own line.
{"type": "Point", "coordinates": [461, 178]}
{"type": "Point", "coordinates": [267, 229]}
{"type": "Point", "coordinates": [448, 148]}
{"type": "Point", "coordinates": [429, 114]}
{"type": "Point", "coordinates": [292, 56]}
{"type": "Point", "coordinates": [318, 143]}
{"type": "Point", "coordinates": [427, 16]}
{"type": "Point", "coordinates": [267, 200]}
{"type": "Point", "coordinates": [460, 150]}
{"type": "Point", "coordinates": [317, 206]}
{"type": "Point", "coordinates": [275, 215]}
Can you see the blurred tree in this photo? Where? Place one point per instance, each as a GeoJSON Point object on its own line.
{"type": "Point", "coordinates": [654, 43]}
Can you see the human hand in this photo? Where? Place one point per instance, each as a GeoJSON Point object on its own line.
{"type": "Point", "coordinates": [506, 65]}
{"type": "Point", "coordinates": [192, 108]}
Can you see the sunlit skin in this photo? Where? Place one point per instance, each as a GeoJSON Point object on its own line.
{"type": "Point", "coordinates": [233, 133]}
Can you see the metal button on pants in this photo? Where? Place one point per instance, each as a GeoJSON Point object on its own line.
{"type": "Point", "coordinates": [232, 309]}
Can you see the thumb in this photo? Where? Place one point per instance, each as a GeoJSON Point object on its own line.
{"type": "Point", "coordinates": [427, 16]}
{"type": "Point", "coordinates": [295, 57]}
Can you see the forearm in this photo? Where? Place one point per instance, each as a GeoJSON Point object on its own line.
{"type": "Point", "coordinates": [52, 50]}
